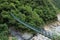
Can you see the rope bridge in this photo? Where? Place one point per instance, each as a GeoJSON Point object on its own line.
{"type": "Point", "coordinates": [38, 30]}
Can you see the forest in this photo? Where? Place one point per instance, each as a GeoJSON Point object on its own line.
{"type": "Point", "coordinates": [36, 13]}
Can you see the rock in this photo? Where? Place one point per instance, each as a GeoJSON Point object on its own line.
{"type": "Point", "coordinates": [58, 16]}
{"type": "Point", "coordinates": [57, 29]}
{"type": "Point", "coordinates": [10, 37]}
{"type": "Point", "coordinates": [16, 34]}
{"type": "Point", "coordinates": [27, 35]}
{"type": "Point", "coordinates": [58, 23]}
{"type": "Point", "coordinates": [40, 37]}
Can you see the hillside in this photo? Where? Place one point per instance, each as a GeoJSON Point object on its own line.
{"type": "Point", "coordinates": [36, 13]}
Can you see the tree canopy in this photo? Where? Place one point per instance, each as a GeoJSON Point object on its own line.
{"type": "Point", "coordinates": [34, 12]}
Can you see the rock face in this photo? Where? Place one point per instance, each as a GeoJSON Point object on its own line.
{"type": "Point", "coordinates": [40, 37]}
{"type": "Point", "coordinates": [27, 36]}
{"type": "Point", "coordinates": [53, 27]}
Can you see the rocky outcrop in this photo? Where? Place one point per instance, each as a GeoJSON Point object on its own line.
{"type": "Point", "coordinates": [54, 27]}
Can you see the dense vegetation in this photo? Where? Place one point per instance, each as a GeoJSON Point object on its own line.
{"type": "Point", "coordinates": [56, 3]}
{"type": "Point", "coordinates": [36, 12]}
{"type": "Point", "coordinates": [33, 12]}
{"type": "Point", "coordinates": [3, 32]}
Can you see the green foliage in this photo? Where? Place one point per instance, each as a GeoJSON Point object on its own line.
{"type": "Point", "coordinates": [56, 37]}
{"type": "Point", "coordinates": [3, 32]}
{"type": "Point", "coordinates": [56, 3]}
{"type": "Point", "coordinates": [14, 38]}
{"type": "Point", "coordinates": [33, 12]}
